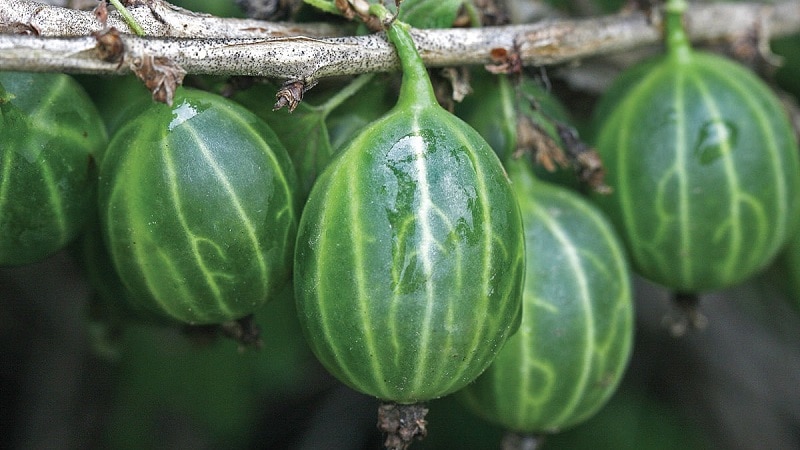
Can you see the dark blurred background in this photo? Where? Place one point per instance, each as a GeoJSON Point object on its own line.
{"type": "Point", "coordinates": [732, 385]}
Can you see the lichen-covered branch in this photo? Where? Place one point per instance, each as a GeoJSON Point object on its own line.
{"type": "Point", "coordinates": [223, 47]}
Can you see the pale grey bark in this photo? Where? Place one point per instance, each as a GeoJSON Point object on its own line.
{"type": "Point", "coordinates": [202, 44]}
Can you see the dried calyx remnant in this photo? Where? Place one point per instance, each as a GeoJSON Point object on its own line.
{"type": "Point", "coordinates": [244, 331]}
{"type": "Point", "coordinates": [402, 424]}
{"type": "Point", "coordinates": [514, 441]}
{"type": "Point", "coordinates": [686, 316]}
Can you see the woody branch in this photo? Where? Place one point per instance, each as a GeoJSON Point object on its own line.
{"type": "Point", "coordinates": [60, 39]}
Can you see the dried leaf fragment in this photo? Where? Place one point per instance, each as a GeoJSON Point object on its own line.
{"type": "Point", "coordinates": [532, 137]}
{"type": "Point", "coordinates": [588, 164]}
{"type": "Point", "coordinates": [160, 75]}
{"type": "Point", "coordinates": [459, 81]}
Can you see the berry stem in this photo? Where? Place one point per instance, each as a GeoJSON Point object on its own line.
{"type": "Point", "coordinates": [678, 45]}
{"type": "Point", "coordinates": [416, 90]}
{"type": "Point", "coordinates": [128, 18]}
{"type": "Point", "coordinates": [348, 91]}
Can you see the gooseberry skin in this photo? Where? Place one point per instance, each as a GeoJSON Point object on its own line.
{"type": "Point", "coordinates": [410, 254]}
{"type": "Point", "coordinates": [576, 336]}
{"type": "Point", "coordinates": [408, 275]}
{"type": "Point", "coordinates": [50, 140]}
{"type": "Point", "coordinates": [704, 167]}
{"type": "Point", "coordinates": [198, 209]}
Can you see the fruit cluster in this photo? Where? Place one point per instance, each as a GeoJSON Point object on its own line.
{"type": "Point", "coordinates": [427, 255]}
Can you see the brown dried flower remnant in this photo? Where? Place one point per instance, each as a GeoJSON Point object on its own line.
{"type": "Point", "coordinates": [160, 75]}
{"type": "Point", "coordinates": [402, 424]}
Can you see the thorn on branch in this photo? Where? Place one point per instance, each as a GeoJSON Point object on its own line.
{"type": "Point", "coordinates": [101, 13]}
{"type": "Point", "coordinates": [291, 93]}
{"type": "Point", "coordinates": [160, 75]}
{"type": "Point", "coordinates": [110, 47]}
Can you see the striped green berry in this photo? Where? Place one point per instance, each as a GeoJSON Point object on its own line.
{"type": "Point", "coordinates": [575, 339]}
{"type": "Point", "coordinates": [50, 135]}
{"type": "Point", "coordinates": [410, 253]}
{"type": "Point", "coordinates": [704, 167]}
{"type": "Point", "coordinates": [198, 208]}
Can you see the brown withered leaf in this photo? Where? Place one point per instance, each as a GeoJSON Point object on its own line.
{"type": "Point", "coordinates": [160, 75]}
{"type": "Point", "coordinates": [534, 139]}
{"type": "Point", "coordinates": [586, 160]}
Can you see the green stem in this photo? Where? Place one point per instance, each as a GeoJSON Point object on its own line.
{"type": "Point", "coordinates": [128, 18]}
{"type": "Point", "coordinates": [347, 92]}
{"type": "Point", "coordinates": [510, 102]}
{"type": "Point", "coordinates": [678, 45]}
{"type": "Point", "coordinates": [5, 96]}
{"type": "Point", "coordinates": [416, 90]}
{"type": "Point", "coordinates": [473, 14]}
